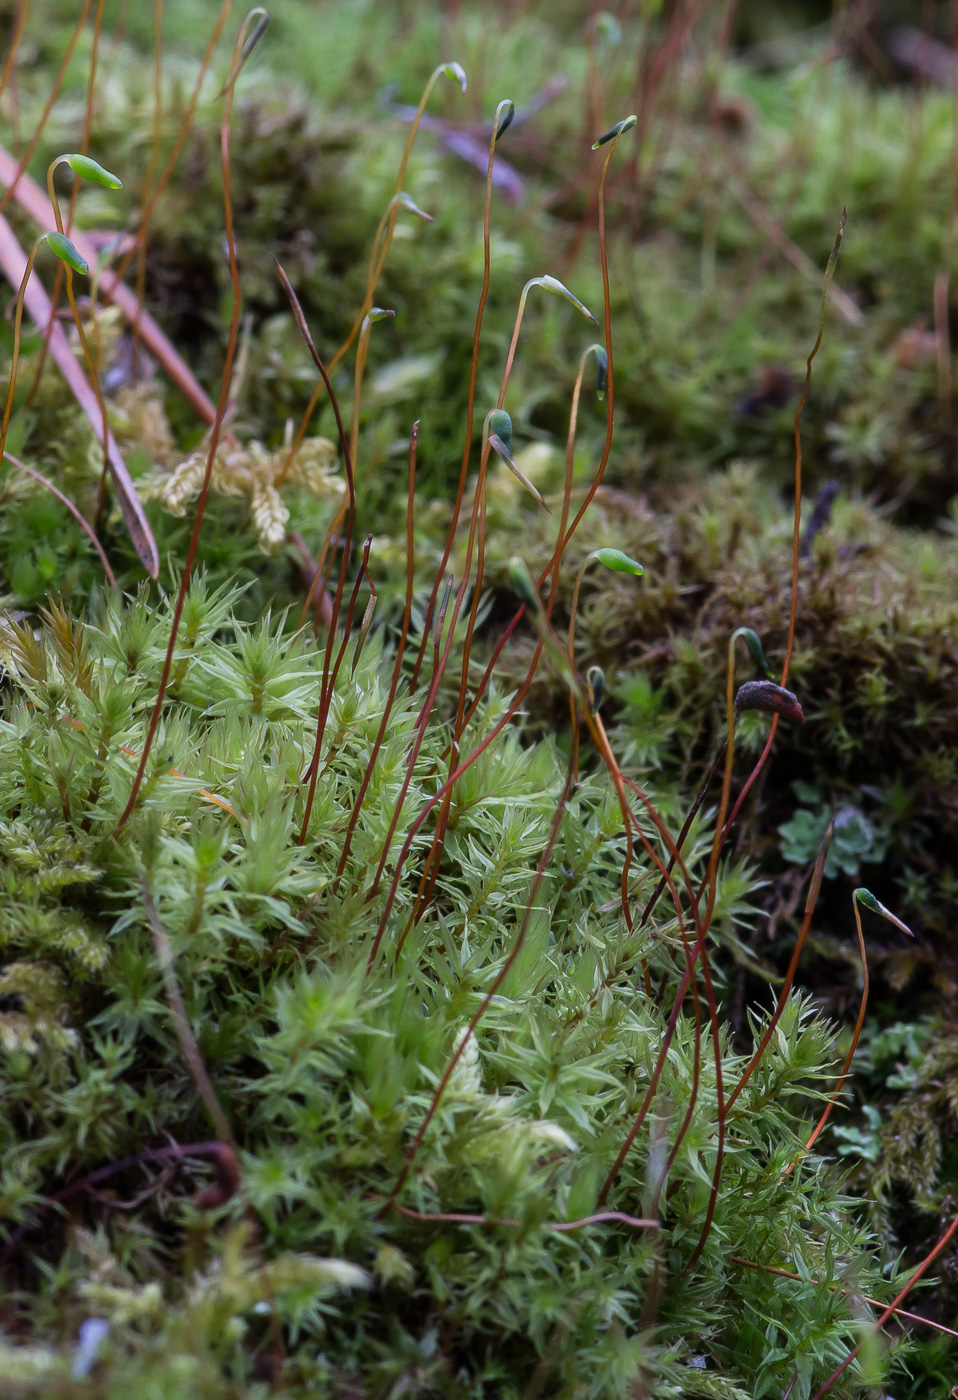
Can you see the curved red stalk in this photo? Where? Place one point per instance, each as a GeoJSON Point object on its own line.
{"type": "Point", "coordinates": [215, 435]}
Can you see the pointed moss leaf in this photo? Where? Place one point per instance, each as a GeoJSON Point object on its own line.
{"type": "Point", "coordinates": [507, 112]}
{"type": "Point", "coordinates": [408, 203]}
{"type": "Point", "coordinates": [66, 252]}
{"type": "Point", "coordinates": [601, 371]}
{"type": "Point", "coordinates": [522, 584]}
{"type": "Point", "coordinates": [754, 644]}
{"type": "Point", "coordinates": [552, 284]}
{"type": "Point", "coordinates": [870, 902]}
{"type": "Point", "coordinates": [626, 124]}
{"type": "Point", "coordinates": [88, 169]}
{"type": "Point", "coordinates": [618, 562]}
{"type": "Point", "coordinates": [500, 425]}
{"type": "Point", "coordinates": [595, 677]}
{"type": "Point", "coordinates": [457, 73]}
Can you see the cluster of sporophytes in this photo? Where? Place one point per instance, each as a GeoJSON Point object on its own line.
{"type": "Point", "coordinates": [450, 998]}
{"type": "Point", "coordinates": [741, 164]}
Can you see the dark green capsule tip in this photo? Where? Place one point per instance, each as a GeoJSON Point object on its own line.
{"type": "Point", "coordinates": [499, 425]}
{"type": "Point", "coordinates": [255, 34]}
{"type": "Point", "coordinates": [507, 112]}
{"type": "Point", "coordinates": [626, 124]}
{"type": "Point", "coordinates": [595, 677]}
{"type": "Point", "coordinates": [90, 170]}
{"type": "Point", "coordinates": [66, 252]}
{"type": "Point", "coordinates": [601, 371]}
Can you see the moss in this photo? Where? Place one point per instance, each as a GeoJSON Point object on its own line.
{"type": "Point", "coordinates": [324, 1072]}
{"type": "Point", "coordinates": [325, 1068]}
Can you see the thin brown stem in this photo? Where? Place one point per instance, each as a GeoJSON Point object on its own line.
{"type": "Point", "coordinates": [215, 436]}
{"type": "Point", "coordinates": [48, 108]}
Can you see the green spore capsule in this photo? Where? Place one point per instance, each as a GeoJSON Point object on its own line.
{"type": "Point", "coordinates": [866, 898]}
{"type": "Point", "coordinates": [618, 562]}
{"type": "Point", "coordinates": [601, 372]}
{"type": "Point", "coordinates": [754, 644]}
{"type": "Point", "coordinates": [457, 73]}
{"type": "Point", "coordinates": [66, 252]}
{"type": "Point", "coordinates": [626, 124]}
{"type": "Point", "coordinates": [507, 112]}
{"type": "Point", "coordinates": [90, 170]}
{"type": "Point", "coordinates": [499, 425]}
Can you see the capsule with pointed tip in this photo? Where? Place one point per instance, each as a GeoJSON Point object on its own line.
{"type": "Point", "coordinates": [618, 562]}
{"type": "Point", "coordinates": [601, 372]}
{"type": "Point", "coordinates": [626, 124]}
{"type": "Point", "coordinates": [456, 73]}
{"type": "Point", "coordinates": [59, 244]}
{"type": "Point", "coordinates": [552, 284]}
{"type": "Point", "coordinates": [91, 170]}
{"type": "Point", "coordinates": [507, 112]}
{"type": "Point", "coordinates": [866, 897]}
{"type": "Point", "coordinates": [754, 644]}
